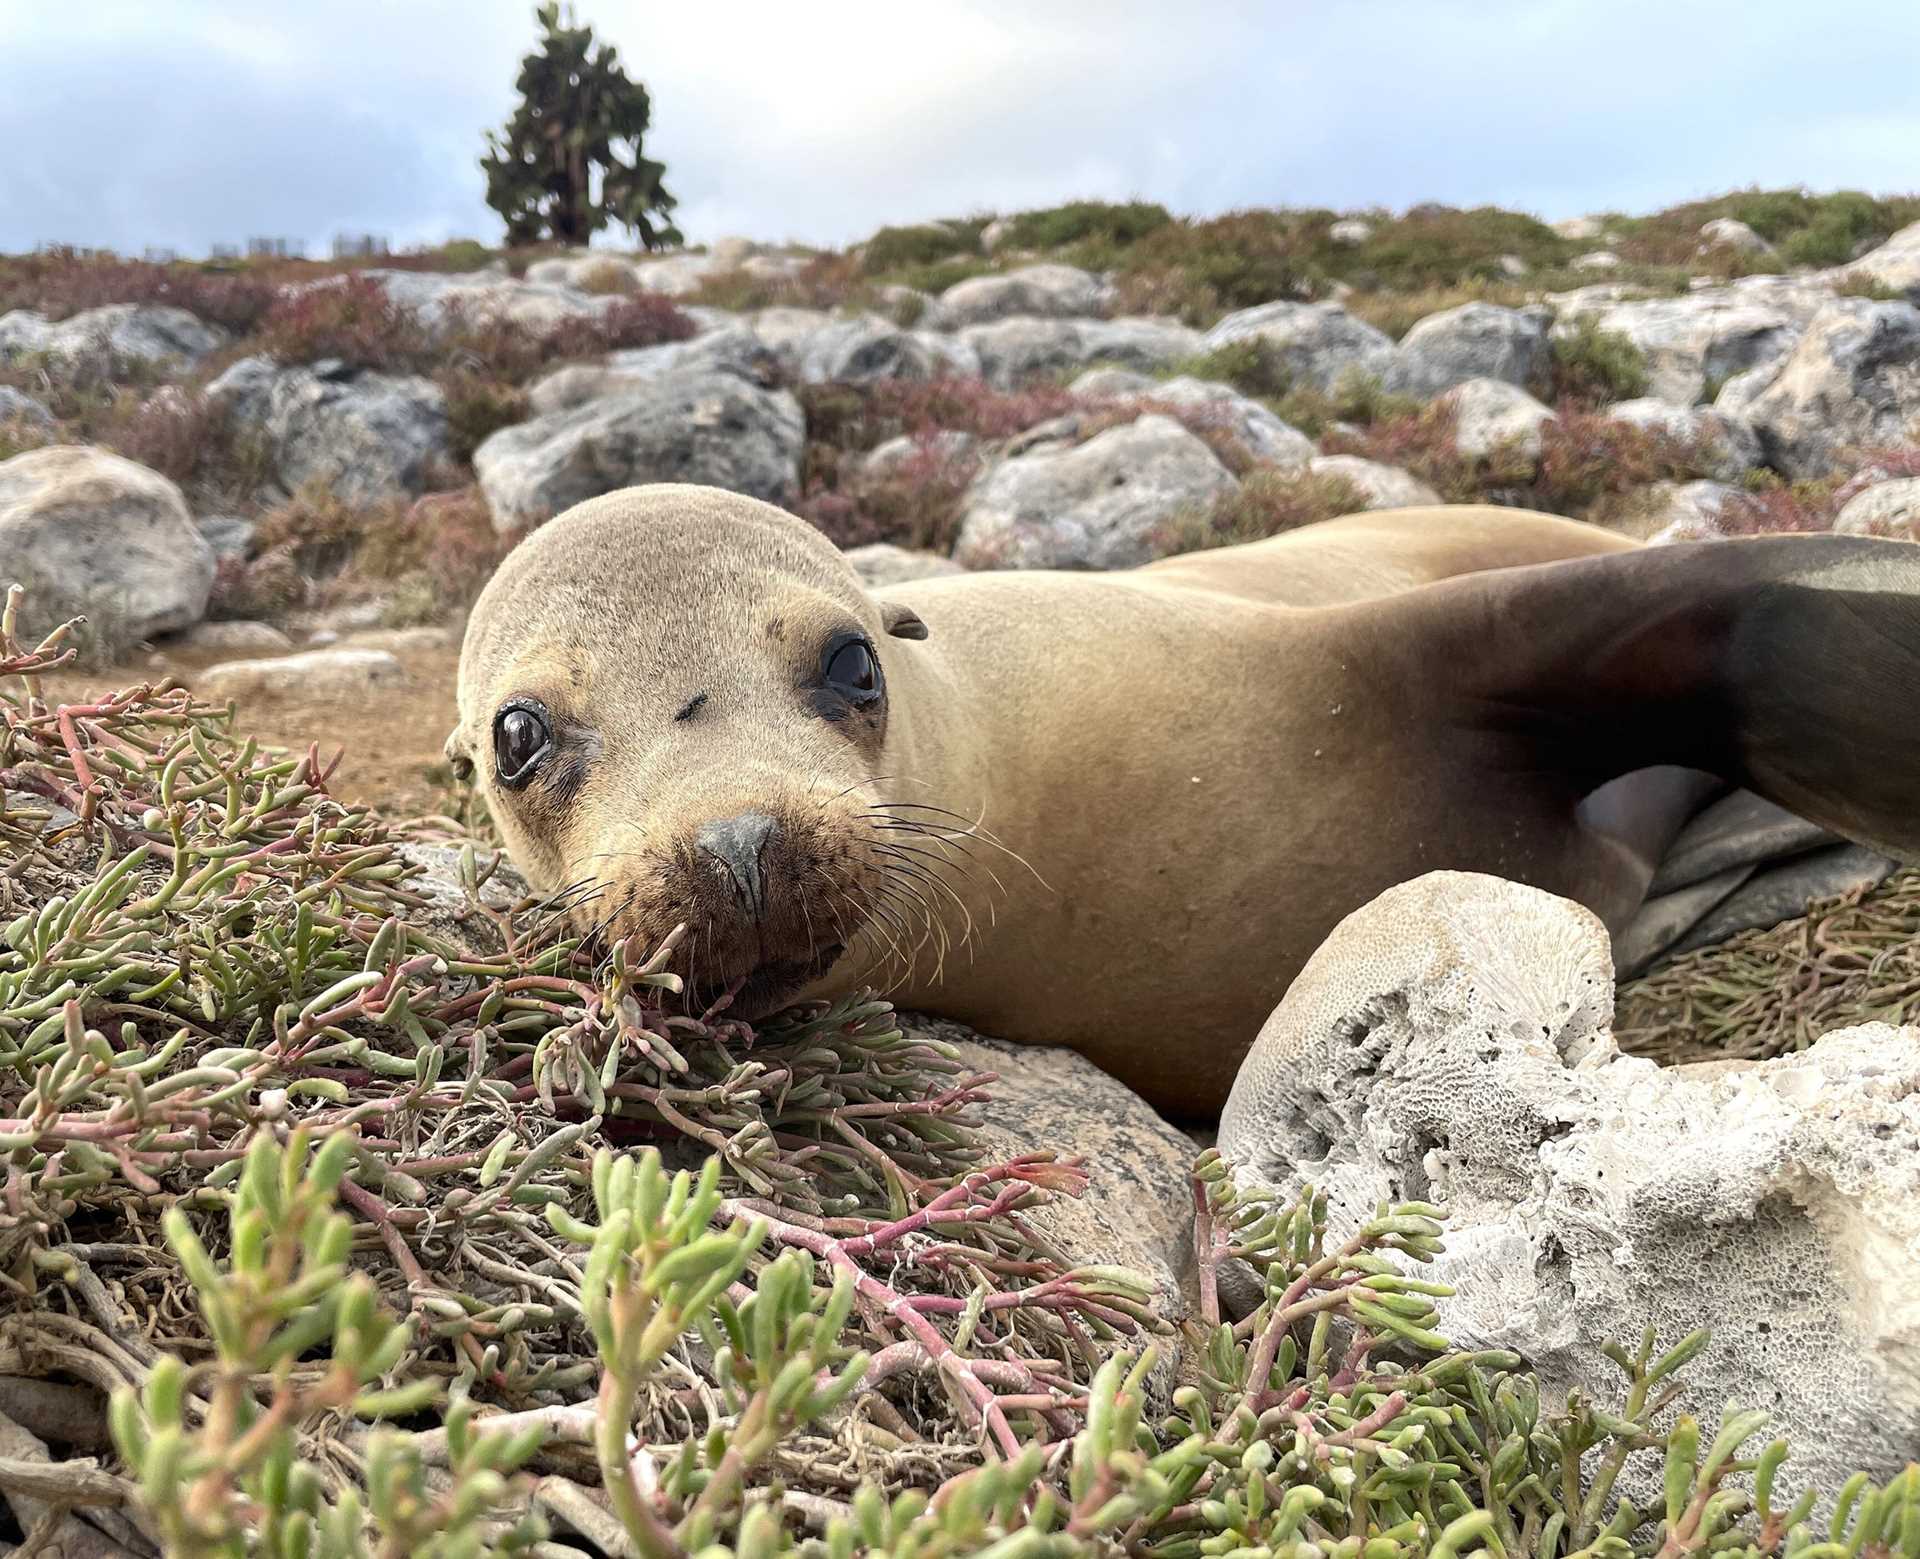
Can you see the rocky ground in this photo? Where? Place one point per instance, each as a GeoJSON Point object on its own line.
{"type": "Point", "coordinates": [244, 463]}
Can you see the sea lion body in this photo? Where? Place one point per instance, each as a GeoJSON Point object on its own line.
{"type": "Point", "coordinates": [1116, 811]}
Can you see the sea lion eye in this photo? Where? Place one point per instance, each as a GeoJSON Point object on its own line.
{"type": "Point", "coordinates": [852, 672]}
{"type": "Point", "coordinates": [521, 738]}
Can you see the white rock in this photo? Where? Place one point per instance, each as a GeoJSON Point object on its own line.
{"type": "Point", "coordinates": [735, 349]}
{"type": "Point", "coordinates": [896, 456]}
{"type": "Point", "coordinates": [1039, 291]}
{"type": "Point", "coordinates": [1731, 446]}
{"type": "Point", "coordinates": [90, 533]}
{"type": "Point", "coordinates": [1490, 415]}
{"type": "Point", "coordinates": [1473, 341]}
{"type": "Point", "coordinates": [100, 342]}
{"type": "Point", "coordinates": [1264, 435]}
{"type": "Point", "coordinates": [1321, 344]}
{"type": "Point", "coordinates": [676, 275]}
{"type": "Point", "coordinates": [1596, 260]}
{"type": "Point", "coordinates": [1890, 509]}
{"type": "Point", "coordinates": [1378, 486]}
{"type": "Point", "coordinates": [1350, 230]}
{"type": "Point", "coordinates": [1895, 264]}
{"type": "Point", "coordinates": [1689, 511]}
{"type": "Point", "coordinates": [439, 299]}
{"type": "Point", "coordinates": [711, 428]}
{"type": "Point", "coordinates": [1853, 379]}
{"type": "Point", "coordinates": [995, 233]}
{"type": "Point", "coordinates": [1729, 233]}
{"type": "Point", "coordinates": [1691, 342]}
{"type": "Point", "coordinates": [882, 563]}
{"type": "Point", "coordinates": [1513, 265]}
{"type": "Point", "coordinates": [1450, 1043]}
{"type": "Point", "coordinates": [1101, 504]}
{"type": "Point", "coordinates": [328, 673]}
{"type": "Point", "coordinates": [864, 351]}
{"type": "Point", "coordinates": [1011, 352]}
{"type": "Point", "coordinates": [1579, 230]}
{"type": "Point", "coordinates": [236, 638]}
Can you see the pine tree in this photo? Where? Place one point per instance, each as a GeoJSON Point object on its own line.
{"type": "Point", "coordinates": [569, 160]}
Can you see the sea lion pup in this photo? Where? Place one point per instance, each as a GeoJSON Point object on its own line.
{"type": "Point", "coordinates": [1118, 811]}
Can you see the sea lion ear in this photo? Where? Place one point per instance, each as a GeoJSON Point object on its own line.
{"type": "Point", "coordinates": [458, 758]}
{"type": "Point", "coordinates": [901, 621]}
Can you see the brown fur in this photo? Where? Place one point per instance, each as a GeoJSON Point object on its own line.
{"type": "Point", "coordinates": [1157, 790]}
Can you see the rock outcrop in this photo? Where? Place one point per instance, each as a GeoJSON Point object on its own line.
{"type": "Point", "coordinates": [707, 427]}
{"type": "Point", "coordinates": [1100, 504]}
{"type": "Point", "coordinates": [1450, 1043]}
{"type": "Point", "coordinates": [363, 436]}
{"type": "Point", "coordinates": [90, 533]}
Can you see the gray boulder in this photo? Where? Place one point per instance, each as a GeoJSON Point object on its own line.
{"type": "Point", "coordinates": [1492, 416]}
{"type": "Point", "coordinates": [1137, 1212]}
{"type": "Point", "coordinates": [896, 456]}
{"type": "Point", "coordinates": [882, 563]}
{"type": "Point", "coordinates": [104, 341]}
{"type": "Point", "coordinates": [89, 533]}
{"type": "Point", "coordinates": [1687, 511]}
{"type": "Point", "coordinates": [1450, 1043]}
{"type": "Point", "coordinates": [1378, 486]}
{"type": "Point", "coordinates": [706, 427]}
{"type": "Point", "coordinates": [238, 637]}
{"type": "Point", "coordinates": [1853, 379]}
{"type": "Point", "coordinates": [1895, 264]}
{"type": "Point", "coordinates": [1473, 341]}
{"type": "Point", "coordinates": [1890, 509]}
{"type": "Point", "coordinates": [1267, 438]}
{"type": "Point", "coordinates": [1729, 446]}
{"type": "Point", "coordinates": [1100, 504]}
{"type": "Point", "coordinates": [1350, 231]}
{"type": "Point", "coordinates": [230, 535]}
{"type": "Point", "coordinates": [866, 350]}
{"type": "Point", "coordinates": [439, 299]}
{"type": "Point", "coordinates": [734, 349]}
{"type": "Point", "coordinates": [1692, 342]}
{"type": "Point", "coordinates": [1595, 260]}
{"type": "Point", "coordinates": [1579, 230]}
{"type": "Point", "coordinates": [1038, 291]}
{"type": "Point", "coordinates": [18, 406]}
{"type": "Point", "coordinates": [1731, 234]}
{"type": "Point", "coordinates": [328, 673]}
{"type": "Point", "coordinates": [1011, 352]}
{"type": "Point", "coordinates": [1321, 344]}
{"type": "Point", "coordinates": [364, 436]}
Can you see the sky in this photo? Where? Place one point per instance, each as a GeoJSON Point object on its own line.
{"type": "Point", "coordinates": [180, 124]}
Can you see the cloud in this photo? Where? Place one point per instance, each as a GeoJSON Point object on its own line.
{"type": "Point", "coordinates": [205, 121]}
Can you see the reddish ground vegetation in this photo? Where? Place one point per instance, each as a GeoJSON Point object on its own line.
{"type": "Point", "coordinates": [425, 560]}
{"type": "Point", "coordinates": [59, 283]}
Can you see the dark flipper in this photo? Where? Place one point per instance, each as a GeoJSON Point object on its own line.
{"type": "Point", "coordinates": [1789, 665]}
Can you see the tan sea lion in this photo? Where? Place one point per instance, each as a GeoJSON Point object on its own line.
{"type": "Point", "coordinates": [1118, 811]}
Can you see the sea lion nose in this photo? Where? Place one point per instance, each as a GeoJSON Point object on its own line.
{"type": "Point", "coordinates": [737, 843]}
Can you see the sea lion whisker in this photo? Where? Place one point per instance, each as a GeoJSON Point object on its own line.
{"type": "Point", "coordinates": [923, 873]}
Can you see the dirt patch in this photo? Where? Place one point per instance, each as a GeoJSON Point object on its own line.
{"type": "Point", "coordinates": [392, 736]}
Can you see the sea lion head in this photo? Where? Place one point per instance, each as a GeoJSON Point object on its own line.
{"type": "Point", "coordinates": [675, 702]}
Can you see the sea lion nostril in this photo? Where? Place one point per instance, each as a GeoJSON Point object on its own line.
{"type": "Point", "coordinates": [738, 843]}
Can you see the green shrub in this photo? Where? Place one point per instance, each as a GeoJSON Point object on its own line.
{"type": "Point", "coordinates": [1112, 226]}
{"type": "Point", "coordinates": [1595, 366]}
{"type": "Point", "coordinates": [907, 248]}
{"type": "Point", "coordinates": [1253, 365]}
